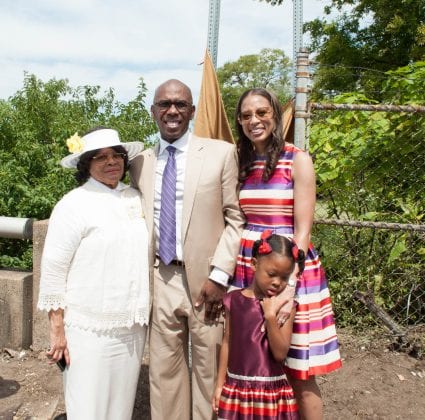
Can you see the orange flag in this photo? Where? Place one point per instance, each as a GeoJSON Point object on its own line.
{"type": "Point", "coordinates": [288, 111]}
{"type": "Point", "coordinates": [211, 120]}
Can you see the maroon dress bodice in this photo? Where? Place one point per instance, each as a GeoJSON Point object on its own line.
{"type": "Point", "coordinates": [249, 351]}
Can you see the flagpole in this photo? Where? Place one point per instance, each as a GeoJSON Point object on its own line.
{"type": "Point", "coordinates": [213, 27]}
{"type": "Point", "coordinates": [297, 36]}
{"type": "Point", "coordinates": [299, 76]}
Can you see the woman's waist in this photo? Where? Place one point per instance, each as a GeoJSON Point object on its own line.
{"type": "Point", "coordinates": [122, 333]}
{"type": "Point", "coordinates": [279, 229]}
{"type": "Point", "coordinates": [95, 319]}
{"type": "Point", "coordinates": [105, 301]}
{"type": "Point", "coordinates": [106, 285]}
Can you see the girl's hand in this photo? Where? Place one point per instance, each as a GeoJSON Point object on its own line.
{"type": "Point", "coordinates": [272, 305]}
{"type": "Point", "coordinates": [287, 299]}
{"type": "Point", "coordinates": [216, 398]}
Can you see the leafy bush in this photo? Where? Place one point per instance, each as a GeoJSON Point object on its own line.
{"type": "Point", "coordinates": [371, 167]}
{"type": "Point", "coordinates": [35, 123]}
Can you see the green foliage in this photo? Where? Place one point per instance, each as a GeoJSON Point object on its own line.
{"type": "Point", "coordinates": [363, 40]}
{"type": "Point", "coordinates": [360, 154]}
{"type": "Point", "coordinates": [363, 259]}
{"type": "Point", "coordinates": [16, 254]}
{"type": "Point", "coordinates": [371, 166]}
{"type": "Point", "coordinates": [269, 69]}
{"type": "Point", "coordinates": [367, 38]}
{"type": "Point", "coordinates": [35, 123]}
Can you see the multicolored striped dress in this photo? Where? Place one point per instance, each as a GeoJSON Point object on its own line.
{"type": "Point", "coordinates": [256, 386]}
{"type": "Point", "coordinates": [270, 205]}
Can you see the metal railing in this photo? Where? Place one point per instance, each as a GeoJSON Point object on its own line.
{"type": "Point", "coordinates": [16, 227]}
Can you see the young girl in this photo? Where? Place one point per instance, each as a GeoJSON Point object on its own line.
{"type": "Point", "coordinates": [251, 382]}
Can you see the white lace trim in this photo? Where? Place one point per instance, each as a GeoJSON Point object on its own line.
{"type": "Point", "coordinates": [104, 322]}
{"type": "Point", "coordinates": [83, 318]}
{"type": "Point", "coordinates": [51, 302]}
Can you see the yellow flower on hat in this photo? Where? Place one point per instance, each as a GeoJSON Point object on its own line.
{"type": "Point", "coordinates": [75, 143]}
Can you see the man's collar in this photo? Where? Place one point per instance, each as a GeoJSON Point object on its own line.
{"type": "Point", "coordinates": [180, 144]}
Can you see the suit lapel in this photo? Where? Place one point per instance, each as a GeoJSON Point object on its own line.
{"type": "Point", "coordinates": [195, 157]}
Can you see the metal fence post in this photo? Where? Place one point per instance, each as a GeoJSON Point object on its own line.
{"type": "Point", "coordinates": [301, 91]}
{"type": "Point", "coordinates": [213, 28]}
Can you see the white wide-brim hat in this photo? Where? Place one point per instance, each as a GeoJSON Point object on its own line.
{"type": "Point", "coordinates": [99, 139]}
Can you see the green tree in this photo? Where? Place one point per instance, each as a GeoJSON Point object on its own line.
{"type": "Point", "coordinates": [366, 39]}
{"type": "Point", "coordinates": [35, 122]}
{"type": "Point", "coordinates": [374, 36]}
{"type": "Point", "coordinates": [269, 69]}
{"type": "Point", "coordinates": [371, 167]}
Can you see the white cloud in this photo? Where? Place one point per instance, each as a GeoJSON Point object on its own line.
{"type": "Point", "coordinates": [113, 44]}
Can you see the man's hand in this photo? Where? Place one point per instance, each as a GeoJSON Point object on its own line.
{"type": "Point", "coordinates": [212, 296]}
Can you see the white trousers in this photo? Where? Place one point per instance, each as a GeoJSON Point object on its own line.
{"type": "Point", "coordinates": [101, 380]}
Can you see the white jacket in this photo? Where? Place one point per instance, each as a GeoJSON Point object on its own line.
{"type": "Point", "coordinates": [95, 258]}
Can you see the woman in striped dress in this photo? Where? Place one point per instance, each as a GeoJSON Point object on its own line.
{"type": "Point", "coordinates": [278, 193]}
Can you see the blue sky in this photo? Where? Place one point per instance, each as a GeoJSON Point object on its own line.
{"type": "Point", "coordinates": [112, 43]}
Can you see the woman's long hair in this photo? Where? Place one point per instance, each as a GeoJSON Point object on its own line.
{"type": "Point", "coordinates": [274, 145]}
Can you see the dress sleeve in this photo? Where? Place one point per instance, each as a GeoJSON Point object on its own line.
{"type": "Point", "coordinates": [62, 240]}
{"type": "Point", "coordinates": [227, 299]}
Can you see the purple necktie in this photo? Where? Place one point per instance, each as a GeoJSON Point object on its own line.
{"type": "Point", "coordinates": [167, 216]}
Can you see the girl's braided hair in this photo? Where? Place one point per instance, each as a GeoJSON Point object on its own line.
{"type": "Point", "coordinates": [270, 242]}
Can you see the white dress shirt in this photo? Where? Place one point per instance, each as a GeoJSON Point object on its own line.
{"type": "Point", "coordinates": [182, 146]}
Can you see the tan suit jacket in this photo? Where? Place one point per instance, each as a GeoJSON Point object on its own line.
{"type": "Point", "coordinates": [212, 221]}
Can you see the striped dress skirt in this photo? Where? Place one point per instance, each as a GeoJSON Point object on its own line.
{"type": "Point", "coordinates": [314, 347]}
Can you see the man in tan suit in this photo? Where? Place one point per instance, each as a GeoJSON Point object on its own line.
{"type": "Point", "coordinates": [191, 264]}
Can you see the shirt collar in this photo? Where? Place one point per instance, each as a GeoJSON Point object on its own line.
{"type": "Point", "coordinates": [180, 144]}
{"type": "Point", "coordinates": [103, 187]}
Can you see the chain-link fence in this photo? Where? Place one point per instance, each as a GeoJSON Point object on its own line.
{"type": "Point", "coordinates": [369, 223]}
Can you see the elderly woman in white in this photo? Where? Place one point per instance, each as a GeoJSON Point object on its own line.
{"type": "Point", "coordinates": [94, 280]}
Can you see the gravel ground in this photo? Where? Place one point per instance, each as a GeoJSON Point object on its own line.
{"type": "Point", "coordinates": [374, 383]}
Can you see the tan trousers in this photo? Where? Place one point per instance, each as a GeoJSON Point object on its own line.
{"type": "Point", "coordinates": [174, 394]}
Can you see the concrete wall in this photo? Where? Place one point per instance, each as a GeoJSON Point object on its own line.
{"type": "Point", "coordinates": [40, 330]}
{"type": "Point", "coordinates": [16, 293]}
{"type": "Point", "coordinates": [21, 324]}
